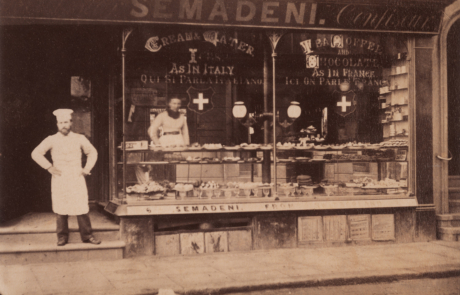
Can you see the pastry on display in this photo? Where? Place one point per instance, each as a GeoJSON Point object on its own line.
{"type": "Point", "coordinates": [195, 146]}
{"type": "Point", "coordinates": [145, 188]}
{"type": "Point", "coordinates": [266, 147]}
{"type": "Point", "coordinates": [355, 145]}
{"type": "Point", "coordinates": [394, 143]}
{"type": "Point", "coordinates": [253, 160]}
{"type": "Point", "coordinates": [212, 146]}
{"type": "Point", "coordinates": [209, 185]}
{"type": "Point", "coordinates": [304, 180]}
{"type": "Point", "coordinates": [231, 159]}
{"type": "Point", "coordinates": [251, 146]}
{"type": "Point", "coordinates": [285, 146]}
{"type": "Point", "coordinates": [287, 188]}
{"type": "Point", "coordinates": [386, 183]}
{"type": "Point", "coordinates": [193, 159]}
{"type": "Point", "coordinates": [235, 147]}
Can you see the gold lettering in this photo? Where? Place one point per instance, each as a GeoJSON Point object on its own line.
{"type": "Point", "coordinates": [159, 9]}
{"type": "Point", "coordinates": [291, 10]}
{"type": "Point", "coordinates": [187, 10]}
{"type": "Point", "coordinates": [219, 10]}
{"type": "Point", "coordinates": [239, 11]}
{"type": "Point", "coordinates": [143, 9]}
{"type": "Point", "coordinates": [266, 12]}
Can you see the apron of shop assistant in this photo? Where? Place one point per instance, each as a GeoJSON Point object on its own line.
{"type": "Point", "coordinates": [68, 191]}
{"type": "Point", "coordinates": [172, 139]}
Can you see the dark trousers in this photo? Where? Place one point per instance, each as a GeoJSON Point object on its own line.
{"type": "Point", "coordinates": [84, 225]}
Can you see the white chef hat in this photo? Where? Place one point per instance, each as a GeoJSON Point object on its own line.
{"type": "Point", "coordinates": [63, 114]}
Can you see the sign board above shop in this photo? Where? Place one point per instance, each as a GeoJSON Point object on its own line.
{"type": "Point", "coordinates": [405, 16]}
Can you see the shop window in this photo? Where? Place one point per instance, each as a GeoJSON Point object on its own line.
{"type": "Point", "coordinates": [352, 132]}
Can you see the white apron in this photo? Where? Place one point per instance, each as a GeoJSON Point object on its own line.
{"type": "Point", "coordinates": [69, 194]}
{"type": "Point", "coordinates": [172, 140]}
{"type": "Point", "coordinates": [68, 191]}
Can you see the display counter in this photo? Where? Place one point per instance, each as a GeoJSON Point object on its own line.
{"type": "Point", "coordinates": [368, 180]}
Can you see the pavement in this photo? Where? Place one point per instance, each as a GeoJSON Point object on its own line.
{"type": "Point", "coordinates": [222, 273]}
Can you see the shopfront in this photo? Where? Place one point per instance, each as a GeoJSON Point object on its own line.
{"type": "Point", "coordinates": [309, 124]}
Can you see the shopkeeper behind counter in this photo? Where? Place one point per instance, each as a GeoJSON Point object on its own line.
{"type": "Point", "coordinates": [174, 125]}
{"type": "Point", "coordinates": [175, 133]}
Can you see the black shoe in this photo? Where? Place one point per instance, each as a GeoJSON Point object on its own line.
{"type": "Point", "coordinates": [92, 240]}
{"type": "Point", "coordinates": [62, 241]}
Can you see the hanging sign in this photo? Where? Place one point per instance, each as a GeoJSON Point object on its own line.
{"type": "Point", "coordinates": [247, 13]}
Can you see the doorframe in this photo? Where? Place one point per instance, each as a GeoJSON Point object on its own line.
{"type": "Point", "coordinates": [440, 122]}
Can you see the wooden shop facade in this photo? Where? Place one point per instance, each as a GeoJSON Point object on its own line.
{"type": "Point", "coordinates": [310, 123]}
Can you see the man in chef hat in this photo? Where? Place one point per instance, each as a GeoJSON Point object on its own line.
{"type": "Point", "coordinates": [69, 194]}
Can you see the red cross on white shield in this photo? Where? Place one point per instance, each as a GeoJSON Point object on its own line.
{"type": "Point", "coordinates": [200, 100]}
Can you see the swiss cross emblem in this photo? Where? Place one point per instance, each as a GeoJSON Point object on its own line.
{"type": "Point", "coordinates": [200, 100]}
{"type": "Point", "coordinates": [345, 102]}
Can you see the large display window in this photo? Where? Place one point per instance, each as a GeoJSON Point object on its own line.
{"type": "Point", "coordinates": [342, 117]}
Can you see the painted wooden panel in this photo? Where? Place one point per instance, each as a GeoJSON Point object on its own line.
{"type": "Point", "coordinates": [383, 227]}
{"type": "Point", "coordinates": [138, 234]}
{"type": "Point", "coordinates": [167, 245]}
{"type": "Point", "coordinates": [335, 228]}
{"type": "Point", "coordinates": [329, 171]}
{"type": "Point", "coordinates": [191, 243]}
{"type": "Point", "coordinates": [311, 229]}
{"type": "Point", "coordinates": [359, 227]}
{"type": "Point", "coordinates": [405, 225]}
{"type": "Point", "coordinates": [216, 242]}
{"type": "Point", "coordinates": [239, 240]}
{"type": "Point", "coordinates": [273, 232]}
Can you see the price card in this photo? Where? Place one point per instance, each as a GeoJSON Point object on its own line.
{"type": "Point", "coordinates": [401, 155]}
{"type": "Point", "coordinates": [137, 145]}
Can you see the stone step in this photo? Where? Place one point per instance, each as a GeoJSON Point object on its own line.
{"type": "Point", "coordinates": [28, 253]}
{"type": "Point", "coordinates": [454, 193]}
{"type": "Point", "coordinates": [32, 238]}
{"type": "Point", "coordinates": [449, 233]}
{"type": "Point", "coordinates": [454, 206]}
{"type": "Point", "coordinates": [44, 237]}
{"type": "Point", "coordinates": [448, 220]}
{"type": "Point", "coordinates": [454, 180]}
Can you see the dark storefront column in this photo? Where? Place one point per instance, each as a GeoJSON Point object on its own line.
{"type": "Point", "coordinates": [425, 212]}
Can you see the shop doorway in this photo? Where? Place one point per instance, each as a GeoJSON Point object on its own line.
{"type": "Point", "coordinates": [453, 91]}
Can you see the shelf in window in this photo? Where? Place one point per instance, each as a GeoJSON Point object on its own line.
{"type": "Point", "coordinates": [393, 75]}
{"type": "Point", "coordinates": [396, 136]}
{"type": "Point", "coordinates": [394, 106]}
{"type": "Point", "coordinates": [399, 88]}
{"type": "Point", "coordinates": [145, 163]}
{"type": "Point", "coordinates": [394, 121]}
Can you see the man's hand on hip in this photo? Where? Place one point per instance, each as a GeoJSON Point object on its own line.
{"type": "Point", "coordinates": [85, 172]}
{"type": "Point", "coordinates": [54, 171]}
